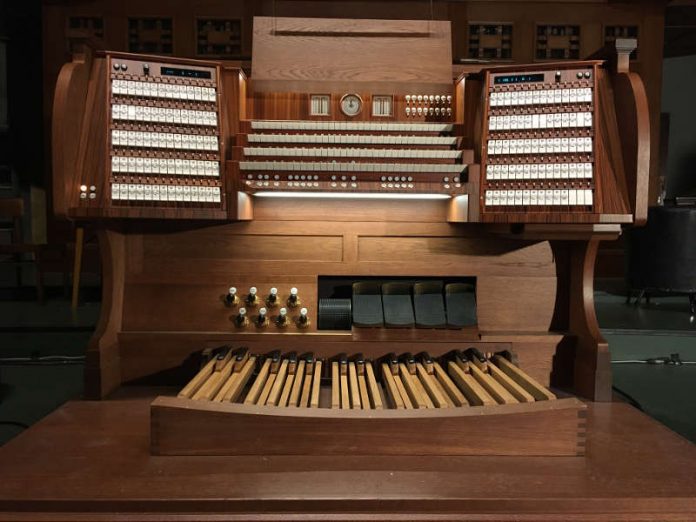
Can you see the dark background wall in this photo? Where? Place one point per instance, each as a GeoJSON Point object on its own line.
{"type": "Point", "coordinates": [679, 99]}
{"type": "Point", "coordinates": [22, 158]}
{"type": "Point", "coordinates": [20, 26]}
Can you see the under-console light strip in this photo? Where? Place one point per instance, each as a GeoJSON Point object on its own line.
{"type": "Point", "coordinates": [345, 195]}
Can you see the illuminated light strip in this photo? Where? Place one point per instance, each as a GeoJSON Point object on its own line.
{"type": "Point", "coordinates": [346, 195]}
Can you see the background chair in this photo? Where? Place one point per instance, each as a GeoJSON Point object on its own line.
{"type": "Point", "coordinates": [16, 250]}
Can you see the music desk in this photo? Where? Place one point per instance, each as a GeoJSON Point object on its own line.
{"type": "Point", "coordinates": [91, 461]}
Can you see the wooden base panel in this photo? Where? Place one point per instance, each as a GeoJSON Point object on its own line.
{"type": "Point", "coordinates": [188, 427]}
{"type": "Point", "coordinates": [91, 461]}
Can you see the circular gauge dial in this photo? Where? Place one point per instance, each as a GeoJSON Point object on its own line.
{"type": "Point", "coordinates": [351, 104]}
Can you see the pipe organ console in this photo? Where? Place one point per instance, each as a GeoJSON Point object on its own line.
{"type": "Point", "coordinates": [349, 250]}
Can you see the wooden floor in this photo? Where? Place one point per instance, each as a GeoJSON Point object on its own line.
{"type": "Point", "coordinates": [93, 457]}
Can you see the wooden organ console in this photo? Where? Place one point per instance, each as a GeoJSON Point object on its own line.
{"type": "Point", "coordinates": [372, 176]}
{"type": "Point", "coordinates": [349, 253]}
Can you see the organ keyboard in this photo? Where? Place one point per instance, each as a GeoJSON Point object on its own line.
{"type": "Point", "coordinates": [306, 156]}
{"type": "Point", "coordinates": [458, 394]}
{"type": "Point", "coordinates": [406, 382]}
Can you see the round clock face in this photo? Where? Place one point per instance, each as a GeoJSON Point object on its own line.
{"type": "Point", "coordinates": [351, 104]}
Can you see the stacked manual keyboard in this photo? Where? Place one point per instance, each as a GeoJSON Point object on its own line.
{"type": "Point", "coordinates": [338, 156]}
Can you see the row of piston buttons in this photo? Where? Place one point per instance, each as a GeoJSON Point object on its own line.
{"type": "Point", "coordinates": [396, 178]}
{"type": "Point", "coordinates": [424, 111]}
{"type": "Point", "coordinates": [124, 67]}
{"type": "Point", "coordinates": [425, 98]}
{"type": "Point", "coordinates": [252, 298]}
{"type": "Point", "coordinates": [92, 192]}
{"type": "Point", "coordinates": [455, 180]}
{"type": "Point", "coordinates": [261, 320]}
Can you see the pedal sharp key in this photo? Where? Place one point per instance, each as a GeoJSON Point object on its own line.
{"type": "Point", "coordinates": [476, 357]}
{"type": "Point", "coordinates": [275, 361]}
{"type": "Point", "coordinates": [410, 361]}
{"type": "Point", "coordinates": [427, 362]}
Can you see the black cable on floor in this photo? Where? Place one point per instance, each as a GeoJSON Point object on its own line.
{"type": "Point", "coordinates": [672, 360]}
{"type": "Point", "coordinates": [628, 398]}
{"type": "Point", "coordinates": [47, 360]}
{"type": "Point", "coordinates": [14, 423]}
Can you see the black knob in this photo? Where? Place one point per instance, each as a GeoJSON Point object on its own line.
{"type": "Point", "coordinates": [241, 317]}
{"type": "Point", "coordinates": [231, 296]}
{"type": "Point", "coordinates": [282, 318]}
{"type": "Point", "coordinates": [261, 319]}
{"type": "Point", "coordinates": [272, 296]}
{"type": "Point", "coordinates": [292, 300]}
{"type": "Point", "coordinates": [251, 296]}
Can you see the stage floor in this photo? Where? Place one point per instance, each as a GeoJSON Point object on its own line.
{"type": "Point", "coordinates": [93, 458]}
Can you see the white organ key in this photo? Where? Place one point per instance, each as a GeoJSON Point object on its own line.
{"type": "Point", "coordinates": [527, 171]}
{"type": "Point", "coordinates": [587, 119]}
{"type": "Point", "coordinates": [572, 170]}
{"type": "Point", "coordinates": [556, 197]}
{"type": "Point", "coordinates": [580, 197]}
{"type": "Point", "coordinates": [519, 172]}
{"type": "Point", "coordinates": [557, 120]}
{"type": "Point", "coordinates": [565, 145]}
{"type": "Point", "coordinates": [492, 148]}
{"type": "Point", "coordinates": [572, 144]}
{"type": "Point", "coordinates": [525, 197]}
